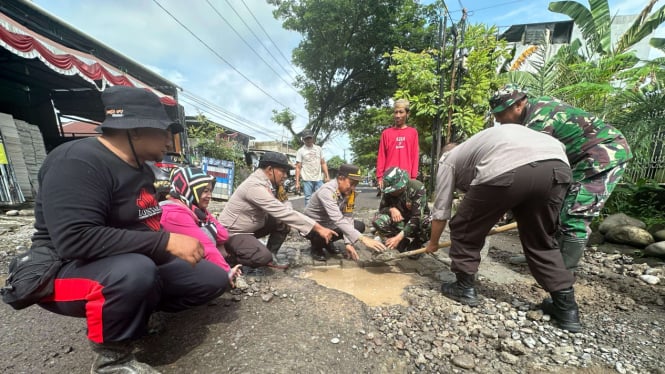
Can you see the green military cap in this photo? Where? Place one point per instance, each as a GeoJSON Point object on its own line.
{"type": "Point", "coordinates": [394, 179]}
{"type": "Point", "coordinates": [505, 97]}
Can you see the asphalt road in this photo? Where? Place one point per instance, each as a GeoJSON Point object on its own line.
{"type": "Point", "coordinates": [366, 199]}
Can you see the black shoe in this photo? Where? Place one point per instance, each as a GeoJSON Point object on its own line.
{"type": "Point", "coordinates": [403, 245]}
{"type": "Point", "coordinates": [562, 307]}
{"type": "Point", "coordinates": [332, 249]}
{"type": "Point", "coordinates": [415, 244]}
{"type": "Point", "coordinates": [318, 255]}
{"type": "Point", "coordinates": [253, 272]}
{"type": "Point", "coordinates": [461, 290]}
{"type": "Point", "coordinates": [156, 323]}
{"type": "Point", "coordinates": [117, 357]}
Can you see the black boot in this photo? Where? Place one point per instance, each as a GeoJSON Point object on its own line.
{"type": "Point", "coordinates": [563, 308]}
{"type": "Point", "coordinates": [403, 245]}
{"type": "Point", "coordinates": [317, 254]}
{"type": "Point", "coordinates": [416, 243]}
{"type": "Point", "coordinates": [117, 358]}
{"type": "Point", "coordinates": [572, 252]}
{"type": "Point", "coordinates": [461, 290]}
{"type": "Point", "coordinates": [332, 249]}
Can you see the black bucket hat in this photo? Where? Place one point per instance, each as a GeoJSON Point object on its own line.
{"type": "Point", "coordinates": [132, 107]}
{"type": "Point", "coordinates": [275, 159]}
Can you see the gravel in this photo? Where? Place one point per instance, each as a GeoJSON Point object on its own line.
{"type": "Point", "coordinates": [621, 301]}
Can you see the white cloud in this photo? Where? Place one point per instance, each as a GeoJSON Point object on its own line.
{"type": "Point", "coordinates": [145, 33]}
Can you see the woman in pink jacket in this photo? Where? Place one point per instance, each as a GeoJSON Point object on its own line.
{"type": "Point", "coordinates": [185, 212]}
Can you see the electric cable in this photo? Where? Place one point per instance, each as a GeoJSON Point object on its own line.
{"type": "Point", "coordinates": [290, 85]}
{"type": "Point", "coordinates": [223, 59]}
{"type": "Point", "coordinates": [269, 37]}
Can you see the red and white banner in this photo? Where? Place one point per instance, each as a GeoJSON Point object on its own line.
{"type": "Point", "coordinates": [26, 43]}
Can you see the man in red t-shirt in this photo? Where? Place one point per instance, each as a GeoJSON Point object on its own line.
{"type": "Point", "coordinates": [399, 145]}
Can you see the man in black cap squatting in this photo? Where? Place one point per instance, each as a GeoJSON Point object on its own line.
{"type": "Point", "coordinates": [253, 211]}
{"type": "Point", "coordinates": [97, 211]}
{"type": "Point", "coordinates": [332, 206]}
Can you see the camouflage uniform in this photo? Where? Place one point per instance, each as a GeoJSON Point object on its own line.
{"type": "Point", "coordinates": [597, 152]}
{"type": "Point", "coordinates": [412, 204]}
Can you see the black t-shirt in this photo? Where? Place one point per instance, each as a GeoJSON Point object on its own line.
{"type": "Point", "coordinates": [92, 204]}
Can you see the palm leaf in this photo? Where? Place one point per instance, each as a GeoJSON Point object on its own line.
{"type": "Point", "coordinates": [600, 11]}
{"type": "Point", "coordinates": [641, 27]}
{"type": "Point", "coordinates": [583, 18]}
{"type": "Point", "coordinates": [658, 43]}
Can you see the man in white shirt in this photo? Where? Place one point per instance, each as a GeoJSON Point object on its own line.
{"type": "Point", "coordinates": [311, 167]}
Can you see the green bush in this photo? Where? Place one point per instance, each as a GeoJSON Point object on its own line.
{"type": "Point", "coordinates": [643, 199]}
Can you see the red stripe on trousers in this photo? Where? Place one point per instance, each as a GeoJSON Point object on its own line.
{"type": "Point", "coordinates": [77, 289]}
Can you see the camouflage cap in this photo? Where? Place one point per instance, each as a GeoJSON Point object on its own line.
{"type": "Point", "coordinates": [505, 97]}
{"type": "Point", "coordinates": [394, 179]}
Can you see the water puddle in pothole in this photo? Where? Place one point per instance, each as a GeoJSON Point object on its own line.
{"type": "Point", "coordinates": [374, 286]}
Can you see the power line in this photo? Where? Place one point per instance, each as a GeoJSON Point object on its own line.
{"type": "Point", "coordinates": [229, 116]}
{"type": "Point", "coordinates": [258, 39]}
{"type": "Point", "coordinates": [488, 7]}
{"type": "Point", "coordinates": [227, 121]}
{"type": "Point", "coordinates": [252, 48]}
{"type": "Point", "coordinates": [222, 58]}
{"type": "Point", "coordinates": [269, 37]}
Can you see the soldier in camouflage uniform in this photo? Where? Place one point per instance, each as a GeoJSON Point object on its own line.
{"type": "Point", "coordinates": [403, 216]}
{"type": "Point", "coordinates": [598, 154]}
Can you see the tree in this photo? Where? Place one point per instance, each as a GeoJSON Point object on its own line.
{"type": "Point", "coordinates": [418, 81]}
{"type": "Point", "coordinates": [286, 118]}
{"type": "Point", "coordinates": [335, 162]}
{"type": "Point", "coordinates": [365, 133]}
{"type": "Point", "coordinates": [640, 115]}
{"type": "Point", "coordinates": [342, 52]}
{"type": "Point", "coordinates": [595, 24]}
{"type": "Point", "coordinates": [203, 128]}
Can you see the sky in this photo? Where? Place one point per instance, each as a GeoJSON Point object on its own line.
{"type": "Point", "coordinates": [232, 57]}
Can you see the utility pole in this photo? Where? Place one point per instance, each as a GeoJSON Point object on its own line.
{"type": "Point", "coordinates": [453, 74]}
{"type": "Point", "coordinates": [436, 133]}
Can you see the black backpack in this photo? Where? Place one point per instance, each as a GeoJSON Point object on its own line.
{"type": "Point", "coordinates": [31, 277]}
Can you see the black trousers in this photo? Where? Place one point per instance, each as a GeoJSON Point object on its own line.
{"type": "Point", "coordinates": [247, 249]}
{"type": "Point", "coordinates": [319, 243]}
{"type": "Point", "coordinates": [117, 294]}
{"type": "Point", "coordinates": [535, 193]}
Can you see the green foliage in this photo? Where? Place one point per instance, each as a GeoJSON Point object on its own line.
{"type": "Point", "coordinates": [595, 22]}
{"type": "Point", "coordinates": [644, 200]}
{"type": "Point", "coordinates": [341, 53]}
{"type": "Point", "coordinates": [365, 133]}
{"type": "Point", "coordinates": [225, 150]}
{"type": "Point", "coordinates": [205, 133]}
{"type": "Point", "coordinates": [589, 83]}
{"type": "Point", "coordinates": [640, 115]}
{"type": "Point", "coordinates": [203, 128]}
{"type": "Point", "coordinates": [335, 162]}
{"type": "Point", "coordinates": [284, 118]}
{"type": "Point", "coordinates": [418, 81]}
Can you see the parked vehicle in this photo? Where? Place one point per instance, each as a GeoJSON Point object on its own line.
{"type": "Point", "coordinates": [290, 186]}
{"type": "Point", "coordinates": [162, 171]}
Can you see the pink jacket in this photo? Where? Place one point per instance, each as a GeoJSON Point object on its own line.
{"type": "Point", "coordinates": [178, 219]}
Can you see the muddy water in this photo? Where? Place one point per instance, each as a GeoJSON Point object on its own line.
{"type": "Point", "coordinates": [373, 286]}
